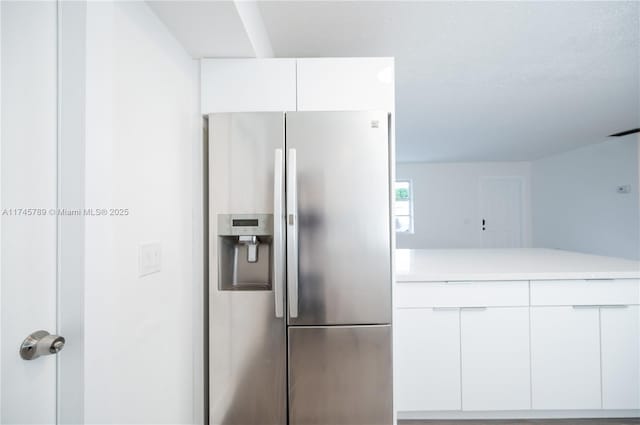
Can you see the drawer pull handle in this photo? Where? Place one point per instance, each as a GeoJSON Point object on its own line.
{"type": "Point", "coordinates": [445, 308]}
{"type": "Point", "coordinates": [585, 306]}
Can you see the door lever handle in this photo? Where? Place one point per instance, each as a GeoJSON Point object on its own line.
{"type": "Point", "coordinates": [41, 343]}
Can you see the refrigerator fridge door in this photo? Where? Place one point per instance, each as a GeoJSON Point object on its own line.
{"type": "Point", "coordinates": [247, 339]}
{"type": "Point", "coordinates": [339, 268]}
{"type": "Point", "coordinates": [340, 375]}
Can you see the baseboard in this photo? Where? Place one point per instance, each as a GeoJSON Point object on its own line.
{"type": "Point", "coordinates": [520, 414]}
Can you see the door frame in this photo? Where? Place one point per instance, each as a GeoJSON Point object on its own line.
{"type": "Point", "coordinates": [71, 177]}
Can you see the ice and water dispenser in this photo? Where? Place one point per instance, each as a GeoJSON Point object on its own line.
{"type": "Point", "coordinates": [244, 251]}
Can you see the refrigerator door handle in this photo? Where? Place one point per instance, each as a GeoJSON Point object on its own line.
{"type": "Point", "coordinates": [278, 221]}
{"type": "Point", "coordinates": [292, 233]}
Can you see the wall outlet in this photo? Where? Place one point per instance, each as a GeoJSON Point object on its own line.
{"type": "Point", "coordinates": [625, 188]}
{"type": "Point", "coordinates": [149, 258]}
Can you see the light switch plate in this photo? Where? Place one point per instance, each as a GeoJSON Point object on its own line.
{"type": "Point", "coordinates": [149, 258]}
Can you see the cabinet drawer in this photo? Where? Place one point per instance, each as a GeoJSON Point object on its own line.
{"type": "Point", "coordinates": [585, 292]}
{"type": "Point", "coordinates": [462, 294]}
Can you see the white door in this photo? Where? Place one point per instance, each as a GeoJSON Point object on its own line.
{"type": "Point", "coordinates": [620, 327]}
{"type": "Point", "coordinates": [427, 359]}
{"type": "Point", "coordinates": [29, 179]}
{"type": "Point", "coordinates": [501, 212]}
{"type": "Point", "coordinates": [495, 358]}
{"type": "Point", "coordinates": [565, 357]}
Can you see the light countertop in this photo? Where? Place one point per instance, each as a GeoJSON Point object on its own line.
{"type": "Point", "coordinates": [429, 265]}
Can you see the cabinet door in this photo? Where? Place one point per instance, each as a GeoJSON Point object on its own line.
{"type": "Point", "coordinates": [345, 84]}
{"type": "Point", "coordinates": [495, 358]}
{"type": "Point", "coordinates": [427, 359]}
{"type": "Point", "coordinates": [247, 85]}
{"type": "Point", "coordinates": [565, 357]}
{"type": "Point", "coordinates": [620, 327]}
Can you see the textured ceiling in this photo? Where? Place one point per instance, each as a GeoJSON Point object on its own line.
{"type": "Point", "coordinates": [484, 80]}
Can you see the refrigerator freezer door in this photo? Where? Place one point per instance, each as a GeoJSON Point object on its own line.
{"type": "Point", "coordinates": [340, 375]}
{"type": "Point", "coordinates": [247, 353]}
{"type": "Point", "coordinates": [343, 217]}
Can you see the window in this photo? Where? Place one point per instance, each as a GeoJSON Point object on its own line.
{"type": "Point", "coordinates": [403, 207]}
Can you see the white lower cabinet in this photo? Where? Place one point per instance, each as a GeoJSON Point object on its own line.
{"type": "Point", "coordinates": [495, 358]}
{"type": "Point", "coordinates": [427, 359]}
{"type": "Point", "coordinates": [620, 336]}
{"type": "Point", "coordinates": [565, 358]}
{"type": "Point", "coordinates": [562, 346]}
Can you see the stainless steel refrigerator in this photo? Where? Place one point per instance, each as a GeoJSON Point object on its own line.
{"type": "Point", "coordinates": [300, 269]}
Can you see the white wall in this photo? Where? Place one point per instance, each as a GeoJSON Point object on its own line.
{"type": "Point", "coordinates": [446, 202]}
{"type": "Point", "coordinates": [141, 125]}
{"type": "Point", "coordinates": [575, 204]}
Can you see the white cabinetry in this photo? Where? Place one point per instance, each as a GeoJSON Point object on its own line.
{"type": "Point", "coordinates": [317, 84]}
{"type": "Point", "coordinates": [620, 336]}
{"type": "Point", "coordinates": [586, 292]}
{"type": "Point", "coordinates": [495, 358]}
{"type": "Point", "coordinates": [565, 357]}
{"type": "Point", "coordinates": [462, 294]}
{"type": "Point", "coordinates": [428, 359]}
{"type": "Point", "coordinates": [247, 85]}
{"type": "Point", "coordinates": [345, 84]}
{"type": "Point", "coordinates": [585, 344]}
{"type": "Point", "coordinates": [452, 354]}
{"type": "Point", "coordinates": [562, 348]}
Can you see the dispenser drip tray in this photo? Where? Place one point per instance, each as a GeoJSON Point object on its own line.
{"type": "Point", "coordinates": [245, 266]}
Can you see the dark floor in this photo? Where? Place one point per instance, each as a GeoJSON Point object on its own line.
{"type": "Point", "coordinates": [620, 421]}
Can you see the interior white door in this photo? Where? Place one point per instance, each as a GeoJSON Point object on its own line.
{"type": "Point", "coordinates": [427, 359]}
{"type": "Point", "coordinates": [495, 358]}
{"type": "Point", "coordinates": [28, 193]}
{"type": "Point", "coordinates": [620, 327]}
{"type": "Point", "coordinates": [501, 212]}
{"type": "Point", "coordinates": [565, 357]}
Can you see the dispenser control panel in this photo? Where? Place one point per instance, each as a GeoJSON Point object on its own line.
{"type": "Point", "coordinates": [245, 224]}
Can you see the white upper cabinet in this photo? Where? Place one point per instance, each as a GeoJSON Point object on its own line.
{"type": "Point", "coordinates": [318, 84]}
{"type": "Point", "coordinates": [247, 85]}
{"type": "Point", "coordinates": [495, 358]}
{"type": "Point", "coordinates": [620, 327]}
{"type": "Point", "coordinates": [346, 84]}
